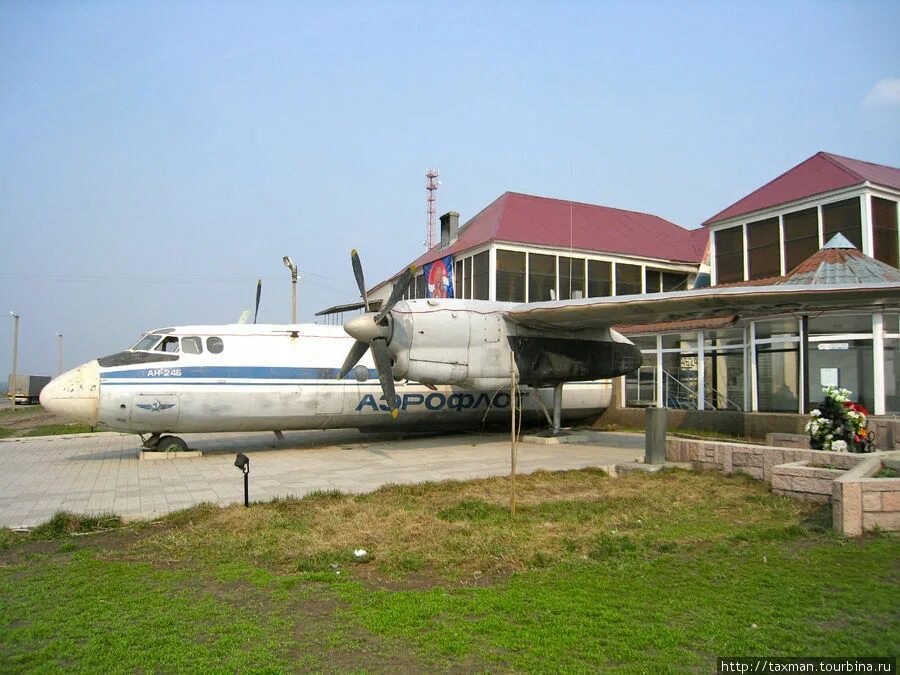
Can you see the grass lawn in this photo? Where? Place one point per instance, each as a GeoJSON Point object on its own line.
{"type": "Point", "coordinates": [644, 573]}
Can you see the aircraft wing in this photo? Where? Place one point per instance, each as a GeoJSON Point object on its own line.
{"type": "Point", "coordinates": [701, 304]}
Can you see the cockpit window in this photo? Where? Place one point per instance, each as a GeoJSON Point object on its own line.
{"type": "Point", "coordinates": [169, 344]}
{"type": "Point", "coordinates": [215, 345]}
{"type": "Point", "coordinates": [192, 345]}
{"type": "Point", "coordinates": [146, 343]}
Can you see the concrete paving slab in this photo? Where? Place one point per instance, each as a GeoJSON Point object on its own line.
{"type": "Point", "coordinates": [97, 473]}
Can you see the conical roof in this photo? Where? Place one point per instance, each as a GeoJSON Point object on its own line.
{"type": "Point", "coordinates": [839, 262]}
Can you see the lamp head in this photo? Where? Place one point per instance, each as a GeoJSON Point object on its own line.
{"type": "Point", "coordinates": [242, 462]}
{"type": "Point", "coordinates": [288, 262]}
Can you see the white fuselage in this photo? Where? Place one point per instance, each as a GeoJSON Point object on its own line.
{"type": "Point", "coordinates": [272, 378]}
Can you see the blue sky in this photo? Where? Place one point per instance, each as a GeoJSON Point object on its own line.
{"type": "Point", "coordinates": [156, 158]}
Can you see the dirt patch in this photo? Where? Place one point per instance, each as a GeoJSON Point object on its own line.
{"type": "Point", "coordinates": [23, 419]}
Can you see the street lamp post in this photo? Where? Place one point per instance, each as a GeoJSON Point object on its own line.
{"type": "Point", "coordinates": [293, 268]}
{"type": "Point", "coordinates": [59, 337]}
{"type": "Point", "coordinates": [14, 380]}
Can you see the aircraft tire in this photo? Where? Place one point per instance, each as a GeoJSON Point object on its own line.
{"type": "Point", "coordinates": [171, 444]}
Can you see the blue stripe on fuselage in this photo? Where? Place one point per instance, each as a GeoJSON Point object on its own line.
{"type": "Point", "coordinates": [226, 372]}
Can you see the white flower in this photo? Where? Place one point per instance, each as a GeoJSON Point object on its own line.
{"type": "Point", "coordinates": [839, 446]}
{"type": "Point", "coordinates": [816, 412]}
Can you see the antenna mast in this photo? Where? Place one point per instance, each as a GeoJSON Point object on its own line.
{"type": "Point", "coordinates": [432, 185]}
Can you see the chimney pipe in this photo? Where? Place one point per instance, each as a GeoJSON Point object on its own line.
{"type": "Point", "coordinates": [449, 228]}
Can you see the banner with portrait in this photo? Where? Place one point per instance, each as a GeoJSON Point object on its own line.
{"type": "Point", "coordinates": [439, 278]}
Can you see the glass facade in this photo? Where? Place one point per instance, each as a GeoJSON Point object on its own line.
{"type": "Point", "coordinates": [481, 276]}
{"type": "Point", "coordinates": [843, 217]}
{"type": "Point", "coordinates": [628, 279]}
{"type": "Point", "coordinates": [801, 236]}
{"type": "Point", "coordinates": [884, 223]}
{"type": "Point", "coordinates": [729, 254]}
{"type": "Point", "coordinates": [840, 352]}
{"type": "Point", "coordinates": [599, 278]}
{"type": "Point", "coordinates": [763, 245]}
{"type": "Point", "coordinates": [571, 278]}
{"type": "Point", "coordinates": [510, 276]}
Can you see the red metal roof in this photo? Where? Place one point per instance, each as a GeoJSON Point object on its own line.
{"type": "Point", "coordinates": [558, 223]}
{"type": "Point", "coordinates": [823, 172]}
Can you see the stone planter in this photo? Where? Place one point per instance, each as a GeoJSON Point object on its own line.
{"type": "Point", "coordinates": [799, 479]}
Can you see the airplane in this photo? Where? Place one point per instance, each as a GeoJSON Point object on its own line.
{"type": "Point", "coordinates": [456, 359]}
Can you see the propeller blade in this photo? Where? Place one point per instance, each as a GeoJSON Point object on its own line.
{"type": "Point", "coordinates": [258, 293]}
{"type": "Point", "coordinates": [399, 289]}
{"type": "Point", "coordinates": [360, 280]}
{"type": "Point", "coordinates": [385, 375]}
{"type": "Point", "coordinates": [353, 357]}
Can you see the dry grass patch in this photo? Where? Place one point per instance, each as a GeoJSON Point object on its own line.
{"type": "Point", "coordinates": [457, 531]}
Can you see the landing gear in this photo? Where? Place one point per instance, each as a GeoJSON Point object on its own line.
{"type": "Point", "coordinates": [151, 442]}
{"type": "Point", "coordinates": [557, 410]}
{"type": "Point", "coordinates": [171, 444]}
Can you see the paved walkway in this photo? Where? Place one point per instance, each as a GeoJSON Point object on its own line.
{"type": "Point", "coordinates": [99, 473]}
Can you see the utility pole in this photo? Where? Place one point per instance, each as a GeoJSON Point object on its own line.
{"type": "Point", "coordinates": [59, 337]}
{"type": "Point", "coordinates": [14, 380]}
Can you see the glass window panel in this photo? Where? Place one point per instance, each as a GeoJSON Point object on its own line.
{"type": "Point", "coordinates": [420, 286]}
{"type": "Point", "coordinates": [571, 278]}
{"type": "Point", "coordinates": [831, 324]}
{"type": "Point", "coordinates": [682, 341]}
{"type": "Point", "coordinates": [884, 220]}
{"type": "Point", "coordinates": [640, 387]}
{"type": "Point", "coordinates": [778, 379]}
{"type": "Point", "coordinates": [728, 337]}
{"type": "Point", "coordinates": [843, 217]}
{"type": "Point", "coordinates": [680, 380]}
{"type": "Point", "coordinates": [481, 282]}
{"type": "Point", "coordinates": [729, 254]}
{"type": "Point", "coordinates": [891, 323]}
{"type": "Point", "coordinates": [674, 281]}
{"type": "Point", "coordinates": [763, 255]}
{"type": "Point", "coordinates": [628, 279]}
{"type": "Point", "coordinates": [541, 277]}
{"type": "Point", "coordinates": [776, 329]}
{"type": "Point", "coordinates": [851, 362]}
{"type": "Point", "coordinates": [644, 342]}
{"type": "Point", "coordinates": [467, 278]}
{"type": "Point", "coordinates": [652, 281]}
{"type": "Point", "coordinates": [510, 276]}
{"type": "Point", "coordinates": [892, 375]}
{"type": "Point", "coordinates": [458, 279]}
{"type": "Point", "coordinates": [724, 379]}
{"type": "Point", "coordinates": [599, 278]}
{"type": "Point", "coordinates": [801, 236]}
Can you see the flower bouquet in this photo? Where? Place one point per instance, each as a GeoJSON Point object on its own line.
{"type": "Point", "coordinates": [838, 424]}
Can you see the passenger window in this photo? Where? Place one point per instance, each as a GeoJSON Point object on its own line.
{"type": "Point", "coordinates": [214, 345]}
{"type": "Point", "coordinates": [169, 344]}
{"type": "Point", "coordinates": [192, 345]}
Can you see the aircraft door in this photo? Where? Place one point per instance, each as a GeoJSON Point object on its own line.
{"type": "Point", "coordinates": [155, 412]}
{"type": "Point", "coordinates": [330, 397]}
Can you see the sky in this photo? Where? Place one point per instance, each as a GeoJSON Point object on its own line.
{"type": "Point", "coordinates": [157, 158]}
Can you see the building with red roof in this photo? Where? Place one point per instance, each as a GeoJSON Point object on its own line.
{"type": "Point", "coordinates": [524, 248]}
{"type": "Point", "coordinates": [774, 228]}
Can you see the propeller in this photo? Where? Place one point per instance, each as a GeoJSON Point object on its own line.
{"type": "Point", "coordinates": [372, 331]}
{"type": "Point", "coordinates": [258, 293]}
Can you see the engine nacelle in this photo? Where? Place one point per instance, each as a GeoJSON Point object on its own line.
{"type": "Point", "coordinates": [447, 342]}
{"type": "Point", "coordinates": [468, 344]}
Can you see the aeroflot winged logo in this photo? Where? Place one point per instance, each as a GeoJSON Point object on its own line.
{"type": "Point", "coordinates": [156, 406]}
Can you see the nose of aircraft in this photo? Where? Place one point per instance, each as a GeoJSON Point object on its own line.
{"type": "Point", "coordinates": [75, 394]}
